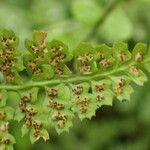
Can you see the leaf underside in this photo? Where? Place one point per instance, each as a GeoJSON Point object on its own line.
{"type": "Point", "coordinates": [53, 84]}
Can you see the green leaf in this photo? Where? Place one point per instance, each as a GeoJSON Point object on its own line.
{"type": "Point", "coordinates": [17, 78]}
{"type": "Point", "coordinates": [12, 139]}
{"type": "Point", "coordinates": [1, 76]}
{"type": "Point", "coordinates": [147, 66]}
{"type": "Point", "coordinates": [44, 134]}
{"type": "Point", "coordinates": [9, 112]}
{"type": "Point", "coordinates": [28, 44]}
{"type": "Point", "coordinates": [136, 75]}
{"type": "Point", "coordinates": [56, 47]}
{"type": "Point", "coordinates": [33, 139]}
{"type": "Point", "coordinates": [84, 48]}
{"type": "Point", "coordinates": [18, 115]}
{"type": "Point", "coordinates": [117, 26]}
{"type": "Point", "coordinates": [86, 11]}
{"type": "Point", "coordinates": [61, 120]}
{"type": "Point", "coordinates": [38, 37]}
{"type": "Point", "coordinates": [85, 106]}
{"type": "Point", "coordinates": [42, 117]}
{"type": "Point", "coordinates": [29, 94]}
{"type": "Point", "coordinates": [139, 52]}
{"type": "Point", "coordinates": [121, 87]}
{"type": "Point", "coordinates": [8, 136]}
{"type": "Point", "coordinates": [120, 52]}
{"type": "Point", "coordinates": [19, 65]}
{"type": "Point", "coordinates": [64, 93]}
{"type": "Point", "coordinates": [10, 147]}
{"type": "Point", "coordinates": [13, 39]}
{"type": "Point", "coordinates": [25, 129]}
{"type": "Point", "coordinates": [85, 58]}
{"type": "Point", "coordinates": [3, 97]}
{"type": "Point", "coordinates": [59, 96]}
{"type": "Point", "coordinates": [81, 88]}
{"type": "Point", "coordinates": [105, 58]}
{"type": "Point", "coordinates": [47, 72]}
{"type": "Point", "coordinates": [102, 92]}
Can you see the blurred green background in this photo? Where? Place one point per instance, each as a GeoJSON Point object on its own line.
{"type": "Point", "coordinates": [125, 126]}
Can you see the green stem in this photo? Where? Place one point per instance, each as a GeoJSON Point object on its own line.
{"type": "Point", "coordinates": [68, 79]}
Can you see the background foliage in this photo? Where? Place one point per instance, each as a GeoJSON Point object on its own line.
{"type": "Point", "coordinates": [125, 126]}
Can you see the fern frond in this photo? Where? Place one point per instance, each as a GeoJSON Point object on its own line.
{"type": "Point", "coordinates": [54, 84]}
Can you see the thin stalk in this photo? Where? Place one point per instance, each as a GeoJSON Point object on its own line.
{"type": "Point", "coordinates": [68, 79]}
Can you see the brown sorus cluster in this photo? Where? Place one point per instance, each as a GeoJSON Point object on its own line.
{"type": "Point", "coordinates": [103, 61]}
{"type": "Point", "coordinates": [7, 41]}
{"type": "Point", "coordinates": [39, 52]}
{"type": "Point", "coordinates": [57, 59]}
{"type": "Point", "coordinates": [100, 97]}
{"type": "Point", "coordinates": [135, 71]}
{"type": "Point", "coordinates": [7, 65]}
{"type": "Point", "coordinates": [30, 122]}
{"type": "Point", "coordinates": [139, 57]}
{"type": "Point", "coordinates": [122, 56]}
{"type": "Point", "coordinates": [100, 87]}
{"type": "Point", "coordinates": [83, 103]}
{"type": "Point", "coordinates": [78, 90]}
{"type": "Point", "coordinates": [6, 69]}
{"type": "Point", "coordinates": [35, 69]}
{"type": "Point", "coordinates": [56, 50]}
{"type": "Point", "coordinates": [29, 112]}
{"type": "Point", "coordinates": [6, 57]}
{"type": "Point", "coordinates": [85, 68]}
{"type": "Point", "coordinates": [38, 134]}
{"type": "Point", "coordinates": [101, 55]}
{"type": "Point", "coordinates": [4, 141]}
{"type": "Point", "coordinates": [39, 49]}
{"type": "Point", "coordinates": [51, 102]}
{"type": "Point", "coordinates": [24, 100]}
{"type": "Point", "coordinates": [52, 92]}
{"type": "Point", "coordinates": [4, 127]}
{"type": "Point", "coordinates": [35, 49]}
{"type": "Point", "coordinates": [59, 70]}
{"type": "Point", "coordinates": [55, 105]}
{"type": "Point", "coordinates": [2, 115]}
{"type": "Point", "coordinates": [23, 105]}
{"type": "Point", "coordinates": [35, 125]}
{"type": "Point", "coordinates": [120, 87]}
{"type": "Point", "coordinates": [84, 60]}
{"type": "Point", "coordinates": [61, 120]}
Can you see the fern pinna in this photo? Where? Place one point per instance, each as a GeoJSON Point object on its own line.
{"type": "Point", "coordinates": [52, 84]}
